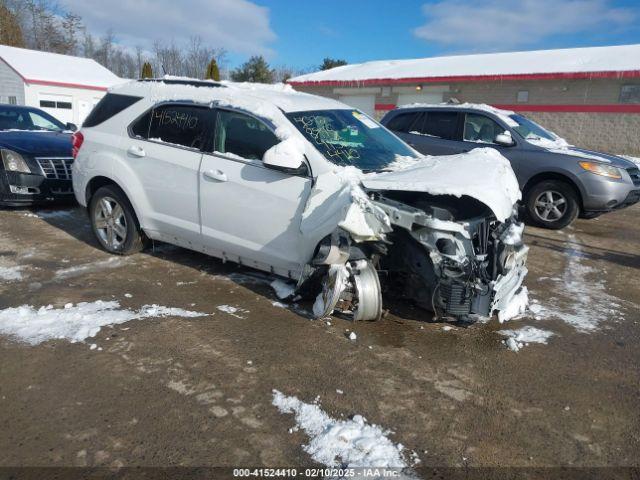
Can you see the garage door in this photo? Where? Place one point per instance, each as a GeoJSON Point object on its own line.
{"type": "Point", "coordinates": [60, 106]}
{"type": "Point", "coordinates": [419, 97]}
{"type": "Point", "coordinates": [364, 103]}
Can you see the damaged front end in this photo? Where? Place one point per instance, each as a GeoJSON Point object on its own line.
{"type": "Point", "coordinates": [449, 255]}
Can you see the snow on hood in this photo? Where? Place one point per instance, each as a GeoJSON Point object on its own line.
{"type": "Point", "coordinates": [562, 147]}
{"type": "Point", "coordinates": [483, 174]}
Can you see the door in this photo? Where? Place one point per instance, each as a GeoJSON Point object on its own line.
{"type": "Point", "coordinates": [364, 103]}
{"type": "Point", "coordinates": [164, 153]}
{"type": "Point", "coordinates": [60, 106]}
{"type": "Point", "coordinates": [248, 210]}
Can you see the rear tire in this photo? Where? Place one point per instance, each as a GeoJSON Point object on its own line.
{"type": "Point", "coordinates": [552, 204]}
{"type": "Point", "coordinates": [114, 222]}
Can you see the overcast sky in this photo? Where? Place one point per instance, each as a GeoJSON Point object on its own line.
{"type": "Point", "coordinates": [302, 32]}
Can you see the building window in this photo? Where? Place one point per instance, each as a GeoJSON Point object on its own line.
{"type": "Point", "coordinates": [630, 94]}
{"type": "Point", "coordinates": [52, 104]}
{"type": "Point", "coordinates": [523, 96]}
{"type": "Point", "coordinates": [13, 100]}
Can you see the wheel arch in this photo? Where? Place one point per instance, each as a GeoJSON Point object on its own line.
{"type": "Point", "coordinates": [540, 177]}
{"type": "Point", "coordinates": [101, 181]}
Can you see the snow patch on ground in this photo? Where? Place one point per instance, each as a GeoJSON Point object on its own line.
{"type": "Point", "coordinates": [583, 301]}
{"type": "Point", "coordinates": [12, 273]}
{"type": "Point", "coordinates": [75, 322]}
{"type": "Point", "coordinates": [522, 336]}
{"type": "Point", "coordinates": [233, 311]}
{"type": "Point", "coordinates": [111, 262]}
{"type": "Point", "coordinates": [350, 443]}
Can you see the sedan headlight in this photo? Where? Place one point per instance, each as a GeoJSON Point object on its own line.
{"type": "Point", "coordinates": [601, 169]}
{"type": "Point", "coordinates": [13, 162]}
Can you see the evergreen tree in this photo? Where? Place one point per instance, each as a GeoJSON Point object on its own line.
{"type": "Point", "coordinates": [329, 63]}
{"type": "Point", "coordinates": [256, 69]}
{"type": "Point", "coordinates": [213, 72]}
{"type": "Point", "coordinates": [147, 72]}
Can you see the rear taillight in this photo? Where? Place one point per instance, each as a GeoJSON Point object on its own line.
{"type": "Point", "coordinates": [76, 142]}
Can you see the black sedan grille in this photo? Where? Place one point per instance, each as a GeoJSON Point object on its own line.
{"type": "Point", "coordinates": [634, 173]}
{"type": "Point", "coordinates": [56, 167]}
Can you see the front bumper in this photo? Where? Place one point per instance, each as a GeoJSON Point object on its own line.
{"type": "Point", "coordinates": [23, 189]}
{"type": "Point", "coordinates": [603, 195]}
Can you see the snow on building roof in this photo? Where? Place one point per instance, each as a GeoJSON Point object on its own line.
{"type": "Point", "coordinates": [56, 69]}
{"type": "Point", "coordinates": [614, 61]}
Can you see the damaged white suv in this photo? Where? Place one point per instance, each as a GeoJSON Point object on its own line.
{"type": "Point", "coordinates": [303, 187]}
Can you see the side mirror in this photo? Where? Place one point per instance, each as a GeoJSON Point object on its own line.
{"type": "Point", "coordinates": [72, 126]}
{"type": "Point", "coordinates": [286, 156]}
{"type": "Point", "coordinates": [504, 139]}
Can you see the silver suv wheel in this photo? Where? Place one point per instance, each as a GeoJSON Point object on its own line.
{"type": "Point", "coordinates": [550, 206]}
{"type": "Point", "coordinates": [110, 223]}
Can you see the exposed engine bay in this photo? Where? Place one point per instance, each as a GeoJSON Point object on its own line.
{"type": "Point", "coordinates": [447, 254]}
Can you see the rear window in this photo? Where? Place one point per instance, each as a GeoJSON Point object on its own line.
{"type": "Point", "coordinates": [110, 105]}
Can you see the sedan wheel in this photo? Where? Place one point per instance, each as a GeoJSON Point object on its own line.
{"type": "Point", "coordinates": [110, 223]}
{"type": "Point", "coordinates": [550, 206]}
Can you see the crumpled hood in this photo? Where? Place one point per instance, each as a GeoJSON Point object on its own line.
{"type": "Point", "coordinates": [482, 173]}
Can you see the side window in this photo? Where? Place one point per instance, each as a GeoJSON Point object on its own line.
{"type": "Point", "coordinates": [141, 128]}
{"type": "Point", "coordinates": [403, 122]}
{"type": "Point", "coordinates": [182, 125]}
{"type": "Point", "coordinates": [242, 135]}
{"type": "Point", "coordinates": [480, 128]}
{"type": "Point", "coordinates": [441, 125]}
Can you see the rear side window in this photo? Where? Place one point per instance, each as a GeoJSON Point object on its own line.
{"type": "Point", "coordinates": [403, 122]}
{"type": "Point", "coordinates": [111, 104]}
{"type": "Point", "coordinates": [242, 135]}
{"type": "Point", "coordinates": [182, 125]}
{"type": "Point", "coordinates": [440, 124]}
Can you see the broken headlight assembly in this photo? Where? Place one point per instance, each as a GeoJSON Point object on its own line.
{"type": "Point", "coordinates": [13, 162]}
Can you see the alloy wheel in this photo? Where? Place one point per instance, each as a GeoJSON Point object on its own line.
{"type": "Point", "coordinates": [110, 223]}
{"type": "Point", "coordinates": [550, 206]}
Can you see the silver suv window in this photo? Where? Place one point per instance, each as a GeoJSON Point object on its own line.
{"type": "Point", "coordinates": [480, 128]}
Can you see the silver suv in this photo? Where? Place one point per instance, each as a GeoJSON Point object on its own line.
{"type": "Point", "coordinates": [305, 188]}
{"type": "Point", "coordinates": [559, 182]}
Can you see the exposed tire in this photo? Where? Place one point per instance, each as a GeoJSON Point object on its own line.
{"type": "Point", "coordinates": [114, 222]}
{"type": "Point", "coordinates": [552, 204]}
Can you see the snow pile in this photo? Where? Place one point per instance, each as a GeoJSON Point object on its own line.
{"type": "Point", "coordinates": [519, 338]}
{"type": "Point", "coordinates": [513, 235]}
{"type": "Point", "coordinates": [282, 288]}
{"type": "Point", "coordinates": [517, 306]}
{"type": "Point", "coordinates": [75, 322]}
{"type": "Point", "coordinates": [483, 174]}
{"type": "Point", "coordinates": [286, 153]}
{"type": "Point", "coordinates": [11, 273]}
{"type": "Point", "coordinates": [348, 443]}
{"type": "Point", "coordinates": [111, 262]}
{"type": "Point", "coordinates": [635, 160]}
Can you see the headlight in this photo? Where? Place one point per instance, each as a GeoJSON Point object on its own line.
{"type": "Point", "coordinates": [601, 169]}
{"type": "Point", "coordinates": [13, 162]}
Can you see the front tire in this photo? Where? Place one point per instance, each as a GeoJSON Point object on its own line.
{"type": "Point", "coordinates": [552, 204]}
{"type": "Point", "coordinates": [114, 222]}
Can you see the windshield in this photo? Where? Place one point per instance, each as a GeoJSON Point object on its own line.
{"type": "Point", "coordinates": [28, 119]}
{"type": "Point", "coordinates": [530, 130]}
{"type": "Point", "coordinates": [350, 138]}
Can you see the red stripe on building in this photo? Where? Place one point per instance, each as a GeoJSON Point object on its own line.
{"type": "Point", "coordinates": [63, 84]}
{"type": "Point", "coordinates": [385, 106]}
{"type": "Point", "coordinates": [616, 108]}
{"type": "Point", "coordinates": [470, 78]}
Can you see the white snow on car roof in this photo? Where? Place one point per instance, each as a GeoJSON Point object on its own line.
{"type": "Point", "coordinates": [56, 68]}
{"type": "Point", "coordinates": [257, 98]}
{"type": "Point", "coordinates": [569, 60]}
{"type": "Point", "coordinates": [503, 114]}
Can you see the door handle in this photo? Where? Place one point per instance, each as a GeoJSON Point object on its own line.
{"type": "Point", "coordinates": [136, 151]}
{"type": "Point", "coordinates": [218, 175]}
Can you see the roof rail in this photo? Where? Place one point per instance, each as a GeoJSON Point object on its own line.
{"type": "Point", "coordinates": [184, 81]}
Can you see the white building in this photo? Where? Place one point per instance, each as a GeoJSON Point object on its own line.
{"type": "Point", "coordinates": [66, 87]}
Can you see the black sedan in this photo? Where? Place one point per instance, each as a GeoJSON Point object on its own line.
{"type": "Point", "coordinates": [36, 157]}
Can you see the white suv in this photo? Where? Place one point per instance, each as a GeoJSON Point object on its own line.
{"type": "Point", "coordinates": [303, 187]}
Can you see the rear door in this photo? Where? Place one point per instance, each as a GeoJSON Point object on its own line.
{"type": "Point", "coordinates": [164, 151]}
{"type": "Point", "coordinates": [251, 213]}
